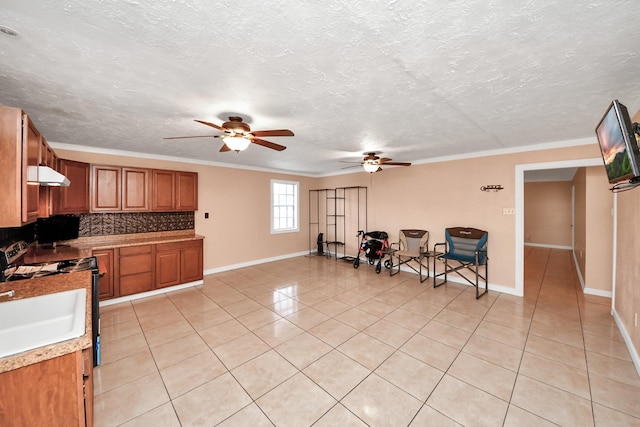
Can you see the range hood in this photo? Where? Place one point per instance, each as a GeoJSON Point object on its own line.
{"type": "Point", "coordinates": [44, 175]}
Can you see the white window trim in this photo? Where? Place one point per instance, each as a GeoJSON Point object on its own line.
{"type": "Point", "coordinates": [296, 208]}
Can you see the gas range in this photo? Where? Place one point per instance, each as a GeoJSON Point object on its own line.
{"type": "Point", "coordinates": [10, 271]}
{"type": "Point", "coordinates": [34, 271]}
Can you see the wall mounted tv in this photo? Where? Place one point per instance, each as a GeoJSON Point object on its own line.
{"type": "Point", "coordinates": [50, 231]}
{"type": "Point", "coordinates": [618, 144]}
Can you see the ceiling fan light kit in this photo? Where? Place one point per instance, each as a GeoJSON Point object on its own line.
{"type": "Point", "coordinates": [373, 163]}
{"type": "Point", "coordinates": [238, 136]}
{"type": "Point", "coordinates": [370, 167]}
{"type": "Point", "coordinates": [236, 142]}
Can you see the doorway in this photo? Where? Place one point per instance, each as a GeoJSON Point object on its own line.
{"type": "Point", "coordinates": [519, 205]}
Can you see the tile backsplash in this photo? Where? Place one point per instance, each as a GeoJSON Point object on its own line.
{"type": "Point", "coordinates": [108, 224]}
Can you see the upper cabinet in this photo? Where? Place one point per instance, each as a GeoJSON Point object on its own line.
{"type": "Point", "coordinates": [74, 199]}
{"type": "Point", "coordinates": [115, 189]}
{"type": "Point", "coordinates": [174, 191]}
{"type": "Point", "coordinates": [186, 191]}
{"type": "Point", "coordinates": [135, 189]}
{"type": "Point", "coordinates": [20, 147]}
{"type": "Point", "coordinates": [48, 195]}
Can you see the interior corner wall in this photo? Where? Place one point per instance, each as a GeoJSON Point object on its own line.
{"type": "Point", "coordinates": [627, 279]}
{"type": "Point", "coordinates": [547, 215]}
{"type": "Point", "coordinates": [599, 232]}
{"type": "Point", "coordinates": [580, 220]}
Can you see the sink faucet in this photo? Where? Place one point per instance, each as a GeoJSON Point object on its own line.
{"type": "Point", "coordinates": [8, 293]}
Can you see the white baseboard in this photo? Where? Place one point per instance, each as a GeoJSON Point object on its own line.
{"type": "Point", "coordinates": [598, 292]}
{"type": "Point", "coordinates": [627, 340]}
{"type": "Point", "coordinates": [150, 293]}
{"type": "Point", "coordinates": [544, 245]}
{"type": "Point", "coordinates": [253, 262]}
{"type": "Point", "coordinates": [457, 279]}
{"type": "Point", "coordinates": [575, 262]}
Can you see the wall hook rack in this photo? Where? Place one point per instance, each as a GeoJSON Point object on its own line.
{"type": "Point", "coordinates": [495, 188]}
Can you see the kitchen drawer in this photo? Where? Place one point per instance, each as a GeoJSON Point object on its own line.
{"type": "Point", "coordinates": [132, 250]}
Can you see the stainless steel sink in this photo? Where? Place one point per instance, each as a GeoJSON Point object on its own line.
{"type": "Point", "coordinates": [34, 322]}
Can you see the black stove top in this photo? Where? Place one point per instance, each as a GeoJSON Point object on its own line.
{"type": "Point", "coordinates": [34, 271]}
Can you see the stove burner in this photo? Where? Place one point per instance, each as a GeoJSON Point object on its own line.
{"type": "Point", "coordinates": [34, 271]}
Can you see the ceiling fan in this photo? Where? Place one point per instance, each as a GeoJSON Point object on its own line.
{"type": "Point", "coordinates": [372, 163]}
{"type": "Point", "coordinates": [238, 135]}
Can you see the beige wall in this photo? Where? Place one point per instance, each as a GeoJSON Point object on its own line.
{"type": "Point", "coordinates": [443, 194]}
{"type": "Point", "coordinates": [627, 294]}
{"type": "Point", "coordinates": [238, 203]}
{"type": "Point", "coordinates": [431, 196]}
{"type": "Point", "coordinates": [599, 231]}
{"type": "Point", "coordinates": [627, 267]}
{"type": "Point", "coordinates": [547, 213]}
{"type": "Point", "coordinates": [580, 221]}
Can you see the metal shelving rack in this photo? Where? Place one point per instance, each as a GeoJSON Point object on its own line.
{"type": "Point", "coordinates": [337, 213]}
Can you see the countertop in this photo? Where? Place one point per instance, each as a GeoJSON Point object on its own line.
{"type": "Point", "coordinates": [83, 246]}
{"type": "Point", "coordinates": [79, 248]}
{"type": "Point", "coordinates": [43, 286]}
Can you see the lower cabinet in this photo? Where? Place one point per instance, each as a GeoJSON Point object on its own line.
{"type": "Point", "coordinates": [54, 392]}
{"type": "Point", "coordinates": [136, 269]}
{"type": "Point", "coordinates": [178, 262]}
{"type": "Point", "coordinates": [105, 263]}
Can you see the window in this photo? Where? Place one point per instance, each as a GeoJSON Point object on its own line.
{"type": "Point", "coordinates": [284, 206]}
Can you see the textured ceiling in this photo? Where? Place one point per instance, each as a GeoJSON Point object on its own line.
{"type": "Point", "coordinates": [412, 79]}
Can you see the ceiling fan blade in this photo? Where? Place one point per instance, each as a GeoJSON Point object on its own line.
{"type": "Point", "coordinates": [212, 125]}
{"type": "Point", "coordinates": [347, 161]}
{"type": "Point", "coordinates": [224, 148]}
{"type": "Point", "coordinates": [199, 136]}
{"type": "Point", "coordinates": [277, 132]}
{"type": "Point", "coordinates": [396, 164]}
{"type": "Point", "coordinates": [384, 160]}
{"type": "Point", "coordinates": [352, 166]}
{"type": "Point", "coordinates": [268, 144]}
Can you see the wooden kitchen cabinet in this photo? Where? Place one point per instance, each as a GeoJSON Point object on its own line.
{"type": "Point", "coordinates": [135, 189]}
{"type": "Point", "coordinates": [105, 261]}
{"type": "Point", "coordinates": [186, 191]}
{"type": "Point", "coordinates": [31, 198]}
{"type": "Point", "coordinates": [20, 148]}
{"type": "Point", "coordinates": [106, 188]}
{"type": "Point", "coordinates": [136, 269]}
{"type": "Point", "coordinates": [163, 190]}
{"type": "Point", "coordinates": [74, 199]}
{"type": "Point", "coordinates": [47, 195]}
{"type": "Point", "coordinates": [174, 191]}
{"type": "Point", "coordinates": [116, 189]}
{"type": "Point", "coordinates": [54, 392]}
{"type": "Point", "coordinates": [178, 262]}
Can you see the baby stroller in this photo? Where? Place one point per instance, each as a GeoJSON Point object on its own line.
{"type": "Point", "coordinates": [375, 245]}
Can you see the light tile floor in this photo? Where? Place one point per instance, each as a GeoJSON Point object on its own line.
{"type": "Point", "coordinates": [313, 341]}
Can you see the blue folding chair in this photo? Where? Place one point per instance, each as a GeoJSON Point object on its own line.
{"type": "Point", "coordinates": [464, 249]}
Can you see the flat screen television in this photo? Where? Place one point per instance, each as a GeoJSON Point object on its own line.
{"type": "Point", "coordinates": [50, 231]}
{"type": "Point", "coordinates": [618, 144]}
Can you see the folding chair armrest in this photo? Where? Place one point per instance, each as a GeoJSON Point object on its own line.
{"type": "Point", "coordinates": [481, 251]}
{"type": "Point", "coordinates": [435, 246]}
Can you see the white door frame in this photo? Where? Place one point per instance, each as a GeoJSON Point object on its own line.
{"type": "Point", "coordinates": [520, 170]}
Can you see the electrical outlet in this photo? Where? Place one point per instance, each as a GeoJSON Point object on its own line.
{"type": "Point", "coordinates": [508, 211]}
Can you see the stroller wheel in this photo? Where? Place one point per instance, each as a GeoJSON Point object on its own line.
{"type": "Point", "coordinates": [378, 267]}
{"type": "Point", "coordinates": [372, 261]}
{"type": "Point", "coordinates": [356, 263]}
{"type": "Point", "coordinates": [387, 264]}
